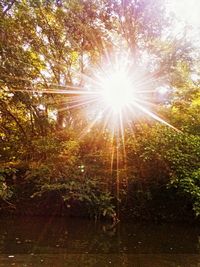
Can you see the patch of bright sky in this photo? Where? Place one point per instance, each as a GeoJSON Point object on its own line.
{"type": "Point", "coordinates": [38, 29]}
{"type": "Point", "coordinates": [195, 77]}
{"type": "Point", "coordinates": [148, 61]}
{"type": "Point", "coordinates": [46, 73]}
{"type": "Point", "coordinates": [163, 89]}
{"type": "Point", "coordinates": [26, 47]}
{"type": "Point", "coordinates": [187, 13]}
{"type": "Point", "coordinates": [53, 114]}
{"type": "Point", "coordinates": [187, 25]}
{"type": "Point", "coordinates": [41, 107]}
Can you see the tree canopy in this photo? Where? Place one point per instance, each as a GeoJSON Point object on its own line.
{"type": "Point", "coordinates": [56, 138]}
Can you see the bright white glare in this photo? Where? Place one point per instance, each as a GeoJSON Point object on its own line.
{"type": "Point", "coordinates": [41, 107]}
{"type": "Point", "coordinates": [121, 94]}
{"type": "Point", "coordinates": [53, 114]}
{"type": "Point", "coordinates": [195, 77]}
{"type": "Point", "coordinates": [186, 10]}
{"type": "Point", "coordinates": [117, 91]}
{"type": "Point", "coordinates": [163, 90]}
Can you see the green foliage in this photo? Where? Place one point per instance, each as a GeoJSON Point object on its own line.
{"type": "Point", "coordinates": [171, 158]}
{"type": "Point", "coordinates": [89, 193]}
{"type": "Point", "coordinates": [5, 190]}
{"type": "Point", "coordinates": [189, 185]}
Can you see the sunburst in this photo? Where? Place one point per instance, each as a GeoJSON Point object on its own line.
{"type": "Point", "coordinates": [119, 93]}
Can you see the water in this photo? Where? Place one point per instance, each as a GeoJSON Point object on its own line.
{"type": "Point", "coordinates": [57, 242]}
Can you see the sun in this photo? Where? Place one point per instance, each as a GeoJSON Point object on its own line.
{"type": "Point", "coordinates": [117, 91]}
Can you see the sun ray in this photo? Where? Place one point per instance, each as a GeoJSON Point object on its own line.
{"type": "Point", "coordinates": [84, 103]}
{"type": "Point", "coordinates": [145, 102]}
{"type": "Point", "coordinates": [154, 116]}
{"type": "Point", "coordinates": [112, 151]}
{"type": "Point", "coordinates": [56, 91]}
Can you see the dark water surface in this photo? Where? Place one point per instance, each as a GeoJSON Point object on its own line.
{"type": "Point", "coordinates": [57, 242]}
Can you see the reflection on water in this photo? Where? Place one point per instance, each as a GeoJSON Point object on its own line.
{"type": "Point", "coordinates": [102, 260]}
{"type": "Point", "coordinates": [60, 242]}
